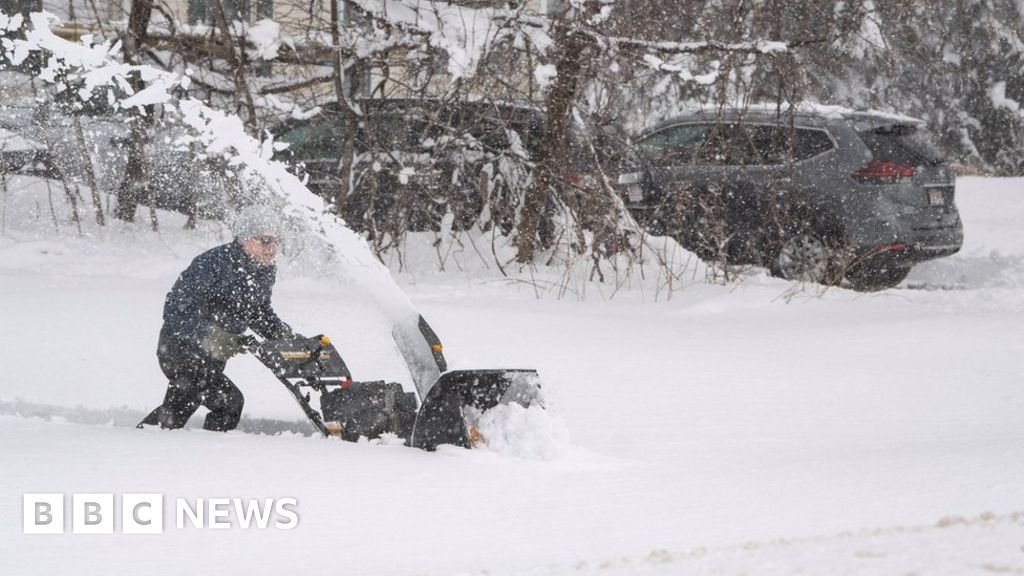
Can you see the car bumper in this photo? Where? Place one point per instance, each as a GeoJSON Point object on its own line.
{"type": "Point", "coordinates": [921, 245]}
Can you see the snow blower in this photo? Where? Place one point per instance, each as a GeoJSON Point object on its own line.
{"type": "Point", "coordinates": [351, 410]}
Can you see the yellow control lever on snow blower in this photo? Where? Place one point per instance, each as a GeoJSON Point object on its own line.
{"type": "Point", "coordinates": [334, 429]}
{"type": "Point", "coordinates": [325, 341]}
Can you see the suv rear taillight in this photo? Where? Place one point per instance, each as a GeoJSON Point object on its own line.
{"type": "Point", "coordinates": [883, 172]}
{"type": "Point", "coordinates": [579, 180]}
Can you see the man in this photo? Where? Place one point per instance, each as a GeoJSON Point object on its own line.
{"type": "Point", "coordinates": [225, 291]}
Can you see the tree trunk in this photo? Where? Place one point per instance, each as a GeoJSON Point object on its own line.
{"type": "Point", "coordinates": [573, 48]}
{"type": "Point", "coordinates": [132, 187]}
{"type": "Point", "coordinates": [237, 61]}
{"type": "Point", "coordinates": [344, 93]}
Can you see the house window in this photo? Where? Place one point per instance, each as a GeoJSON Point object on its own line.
{"type": "Point", "coordinates": [201, 11]}
{"type": "Point", "coordinates": [23, 7]}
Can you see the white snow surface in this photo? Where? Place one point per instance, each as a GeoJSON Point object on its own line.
{"type": "Point", "coordinates": [13, 142]}
{"type": "Point", "coordinates": [751, 428]}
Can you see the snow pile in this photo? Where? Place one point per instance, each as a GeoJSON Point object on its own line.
{"type": "Point", "coordinates": [475, 256]}
{"type": "Point", "coordinates": [530, 433]}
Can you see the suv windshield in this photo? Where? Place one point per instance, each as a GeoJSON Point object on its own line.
{"type": "Point", "coordinates": [902, 143]}
{"type": "Point", "coordinates": [310, 141]}
{"type": "Point", "coordinates": [674, 145]}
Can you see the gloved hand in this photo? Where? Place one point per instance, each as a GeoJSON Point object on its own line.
{"type": "Point", "coordinates": [248, 342]}
{"type": "Point", "coordinates": [222, 344]}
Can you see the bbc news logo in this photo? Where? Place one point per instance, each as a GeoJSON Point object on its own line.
{"type": "Point", "coordinates": [144, 513]}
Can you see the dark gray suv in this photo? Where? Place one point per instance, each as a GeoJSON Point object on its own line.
{"type": "Point", "coordinates": [821, 195]}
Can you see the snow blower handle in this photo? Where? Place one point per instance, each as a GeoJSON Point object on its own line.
{"type": "Point", "coordinates": [249, 343]}
{"type": "Point", "coordinates": [322, 342]}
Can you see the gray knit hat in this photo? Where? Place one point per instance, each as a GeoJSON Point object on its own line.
{"type": "Point", "coordinates": [256, 220]}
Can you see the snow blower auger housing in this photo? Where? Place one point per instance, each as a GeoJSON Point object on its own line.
{"type": "Point", "coordinates": [351, 409]}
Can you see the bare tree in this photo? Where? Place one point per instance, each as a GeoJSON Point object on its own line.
{"type": "Point", "coordinates": [133, 186]}
{"type": "Point", "coordinates": [572, 48]}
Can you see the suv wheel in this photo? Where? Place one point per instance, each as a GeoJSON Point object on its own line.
{"type": "Point", "coordinates": [804, 258]}
{"type": "Point", "coordinates": [872, 276]}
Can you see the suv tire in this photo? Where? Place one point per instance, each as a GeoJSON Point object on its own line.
{"type": "Point", "coordinates": [805, 257]}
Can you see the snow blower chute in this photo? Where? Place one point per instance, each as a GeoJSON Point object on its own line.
{"type": "Point", "coordinates": [351, 410]}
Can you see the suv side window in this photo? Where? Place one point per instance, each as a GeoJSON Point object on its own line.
{"type": "Point", "coordinates": [780, 144]}
{"type": "Point", "coordinates": [729, 145]}
{"type": "Point", "coordinates": [398, 130]}
{"type": "Point", "coordinates": [809, 143]}
{"type": "Point", "coordinates": [773, 143]}
{"type": "Point", "coordinates": [674, 146]}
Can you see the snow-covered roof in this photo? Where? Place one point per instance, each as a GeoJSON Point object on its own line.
{"type": "Point", "coordinates": [806, 109]}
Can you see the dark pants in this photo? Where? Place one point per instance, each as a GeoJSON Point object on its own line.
{"type": "Point", "coordinates": [196, 381]}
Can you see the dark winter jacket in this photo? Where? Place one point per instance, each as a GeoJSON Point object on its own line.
{"type": "Point", "coordinates": [224, 287]}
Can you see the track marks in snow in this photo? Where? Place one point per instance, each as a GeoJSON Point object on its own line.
{"type": "Point", "coordinates": [984, 544]}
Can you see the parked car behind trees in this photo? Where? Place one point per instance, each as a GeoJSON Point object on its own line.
{"type": "Point", "coordinates": [418, 160]}
{"type": "Point", "coordinates": [818, 195]}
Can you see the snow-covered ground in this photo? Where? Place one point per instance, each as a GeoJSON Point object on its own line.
{"type": "Point", "coordinates": [740, 429]}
